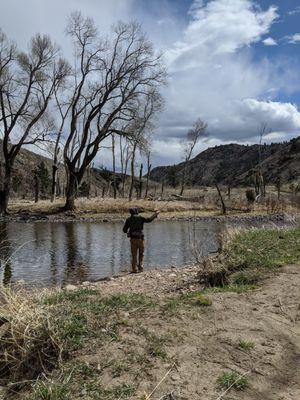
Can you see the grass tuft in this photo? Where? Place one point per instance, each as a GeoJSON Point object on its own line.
{"type": "Point", "coordinates": [247, 346]}
{"type": "Point", "coordinates": [232, 379]}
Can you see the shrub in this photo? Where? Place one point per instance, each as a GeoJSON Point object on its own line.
{"type": "Point", "coordinates": [250, 195]}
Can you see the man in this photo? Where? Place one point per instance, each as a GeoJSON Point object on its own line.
{"type": "Point", "coordinates": [134, 228]}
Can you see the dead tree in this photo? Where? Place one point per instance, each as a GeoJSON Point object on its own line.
{"type": "Point", "coordinates": [140, 182]}
{"type": "Point", "coordinates": [198, 131]}
{"type": "Point", "coordinates": [63, 112]}
{"type": "Point", "coordinates": [27, 83]}
{"type": "Point", "coordinates": [132, 170]}
{"type": "Point", "coordinates": [260, 183]}
{"type": "Point", "coordinates": [148, 153]}
{"type": "Point", "coordinates": [109, 84]}
{"type": "Point", "coordinates": [36, 187]}
{"type": "Point", "coordinates": [124, 159]}
{"type": "Point", "coordinates": [224, 210]}
{"type": "Point", "coordinates": [278, 186]}
{"type": "Point", "coordinates": [113, 149]}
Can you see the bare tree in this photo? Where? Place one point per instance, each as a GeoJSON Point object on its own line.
{"type": "Point", "coordinates": [113, 149]}
{"type": "Point", "coordinates": [259, 180]}
{"type": "Point", "coordinates": [63, 108]}
{"type": "Point", "coordinates": [27, 83]}
{"type": "Point", "coordinates": [124, 159]}
{"type": "Point", "coordinates": [110, 82]}
{"type": "Point", "coordinates": [223, 205]}
{"type": "Point", "coordinates": [199, 130]}
{"type": "Point", "coordinates": [148, 155]}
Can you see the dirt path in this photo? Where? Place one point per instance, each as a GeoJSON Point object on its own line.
{"type": "Point", "coordinates": [207, 343]}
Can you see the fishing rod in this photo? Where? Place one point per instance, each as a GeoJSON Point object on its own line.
{"type": "Point", "coordinates": [164, 206]}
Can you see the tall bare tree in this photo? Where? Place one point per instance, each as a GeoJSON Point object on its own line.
{"type": "Point", "coordinates": [148, 155]}
{"type": "Point", "coordinates": [27, 83]}
{"type": "Point", "coordinates": [124, 160]}
{"type": "Point", "coordinates": [110, 82]}
{"type": "Point", "coordinates": [113, 150]}
{"type": "Point", "coordinates": [199, 130]}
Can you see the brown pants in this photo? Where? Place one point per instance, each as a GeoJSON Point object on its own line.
{"type": "Point", "coordinates": [137, 246]}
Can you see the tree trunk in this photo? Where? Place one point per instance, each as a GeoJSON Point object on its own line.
{"type": "Point", "coordinates": [71, 192]}
{"type": "Point", "coordinates": [132, 172]}
{"type": "Point", "coordinates": [125, 172]}
{"type": "Point", "coordinates": [147, 182]}
{"type": "Point", "coordinates": [183, 179]}
{"type": "Point", "coordinates": [36, 188]}
{"type": "Point", "coordinates": [229, 192]}
{"type": "Point", "coordinates": [221, 198]}
{"type": "Point", "coordinates": [140, 183]}
{"type": "Point", "coordinates": [54, 184]}
{"type": "Point", "coordinates": [114, 165]}
{"type": "Point", "coordinates": [4, 195]}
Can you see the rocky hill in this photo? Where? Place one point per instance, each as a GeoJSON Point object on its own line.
{"type": "Point", "coordinates": [233, 164]}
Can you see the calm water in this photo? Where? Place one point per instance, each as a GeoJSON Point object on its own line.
{"type": "Point", "coordinates": [50, 254]}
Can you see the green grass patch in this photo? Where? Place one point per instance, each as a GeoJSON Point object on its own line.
{"type": "Point", "coordinates": [232, 379]}
{"type": "Point", "coordinates": [248, 277]}
{"type": "Point", "coordinates": [245, 345]}
{"type": "Point", "coordinates": [263, 249]}
{"type": "Point", "coordinates": [49, 390]}
{"type": "Point", "coordinates": [231, 289]}
{"type": "Point", "coordinates": [194, 299]}
{"type": "Point", "coordinates": [197, 299]}
{"type": "Point", "coordinates": [96, 391]}
{"type": "Point", "coordinates": [65, 296]}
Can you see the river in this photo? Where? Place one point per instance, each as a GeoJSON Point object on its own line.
{"type": "Point", "coordinates": [57, 253]}
{"type": "Point", "coordinates": [46, 254]}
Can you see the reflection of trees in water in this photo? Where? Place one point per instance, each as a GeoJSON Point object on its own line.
{"type": "Point", "coordinates": [76, 270]}
{"type": "Point", "coordinates": [114, 248]}
{"type": "Point", "coordinates": [54, 250]}
{"type": "Point", "coordinates": [5, 255]}
{"type": "Point", "coordinates": [203, 239]}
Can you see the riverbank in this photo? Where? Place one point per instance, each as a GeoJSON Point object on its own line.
{"type": "Point", "coordinates": [173, 338]}
{"type": "Point", "coordinates": [108, 210]}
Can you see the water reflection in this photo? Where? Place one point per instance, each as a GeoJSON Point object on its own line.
{"type": "Point", "coordinates": [51, 254]}
{"type": "Point", "coordinates": [5, 255]}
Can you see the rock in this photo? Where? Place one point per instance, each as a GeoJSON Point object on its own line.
{"type": "Point", "coordinates": [71, 288]}
{"type": "Point", "coordinates": [86, 283]}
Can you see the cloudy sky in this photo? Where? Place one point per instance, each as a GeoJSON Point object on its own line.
{"type": "Point", "coordinates": [233, 63]}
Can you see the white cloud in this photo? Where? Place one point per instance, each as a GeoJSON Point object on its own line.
{"type": "Point", "coordinates": [294, 11]}
{"type": "Point", "coordinates": [213, 70]}
{"type": "Point", "coordinates": [278, 116]}
{"type": "Point", "coordinates": [214, 76]}
{"type": "Point", "coordinates": [269, 42]}
{"type": "Point", "coordinates": [221, 27]}
{"type": "Point", "coordinates": [294, 38]}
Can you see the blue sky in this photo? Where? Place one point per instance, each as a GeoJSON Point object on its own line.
{"type": "Point", "coordinates": [233, 63]}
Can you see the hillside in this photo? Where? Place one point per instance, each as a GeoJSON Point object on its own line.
{"type": "Point", "coordinates": [23, 176]}
{"type": "Point", "coordinates": [233, 164]}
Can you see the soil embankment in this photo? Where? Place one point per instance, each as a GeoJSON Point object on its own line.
{"type": "Point", "coordinates": [211, 341]}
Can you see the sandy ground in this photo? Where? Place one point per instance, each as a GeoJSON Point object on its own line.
{"type": "Point", "coordinates": [205, 343]}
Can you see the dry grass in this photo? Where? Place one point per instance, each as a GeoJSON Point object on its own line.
{"type": "Point", "coordinates": [28, 339]}
{"type": "Point", "coordinates": [198, 201]}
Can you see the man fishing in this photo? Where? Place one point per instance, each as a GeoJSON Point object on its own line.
{"type": "Point", "coordinates": [134, 228]}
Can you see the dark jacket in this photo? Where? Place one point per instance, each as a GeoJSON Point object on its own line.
{"type": "Point", "coordinates": [134, 225]}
